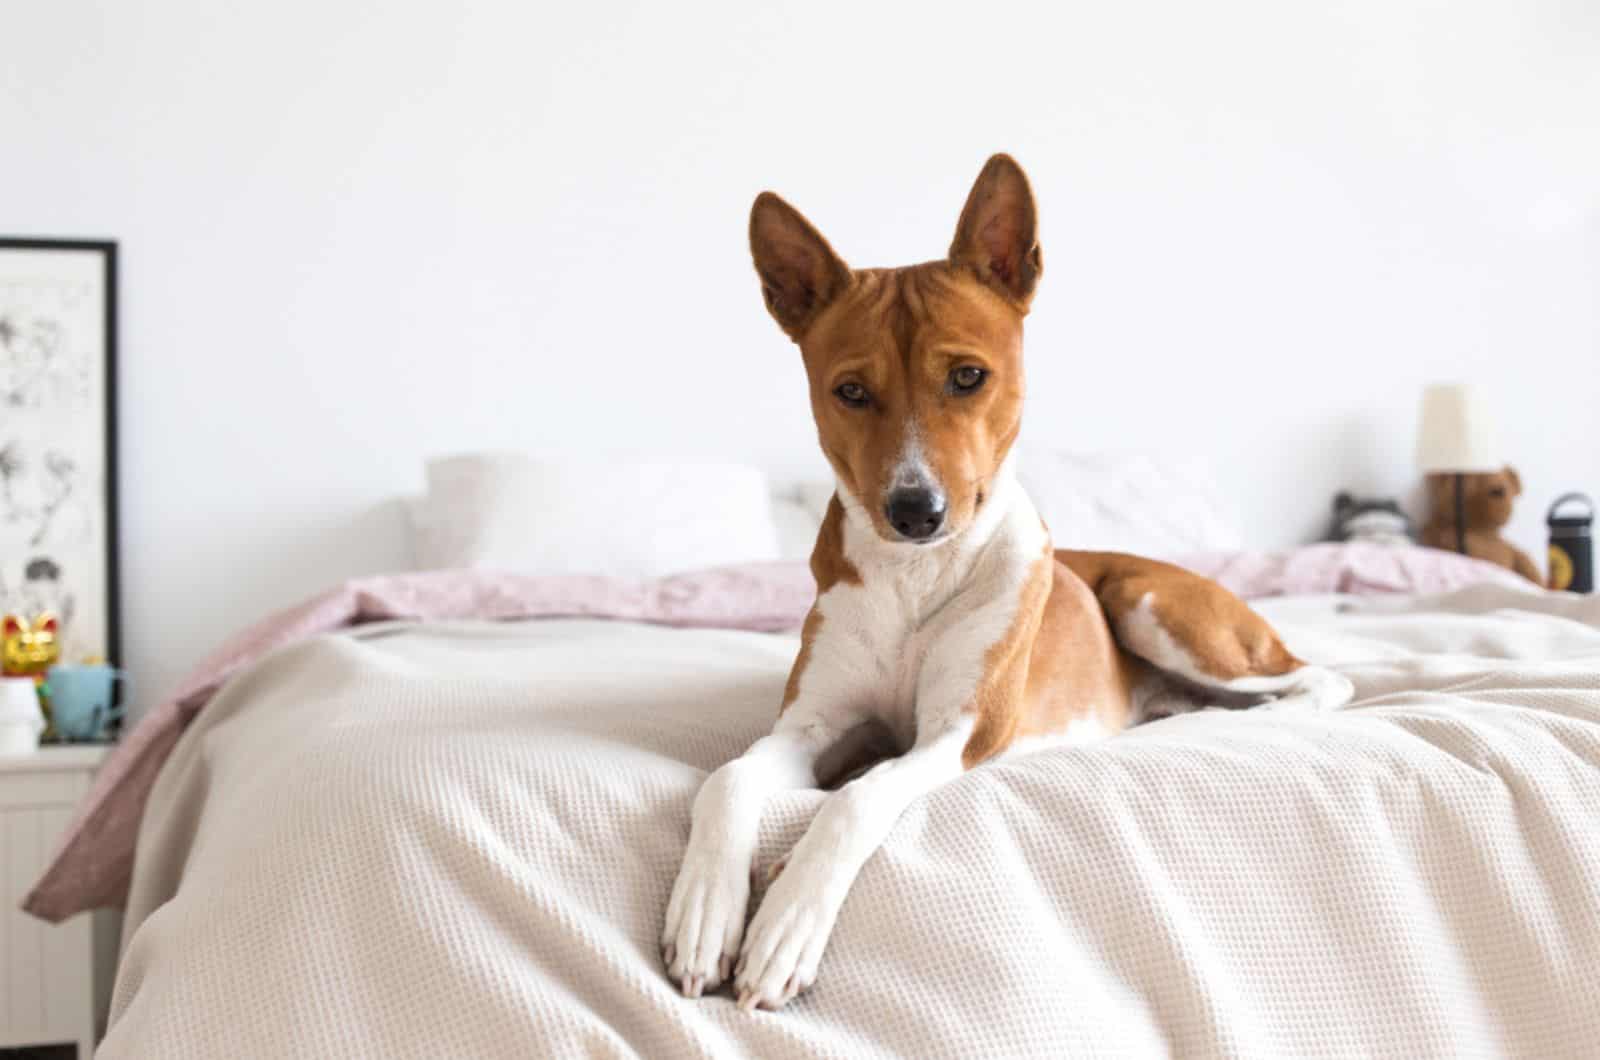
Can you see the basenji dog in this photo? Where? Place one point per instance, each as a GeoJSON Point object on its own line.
{"type": "Point", "coordinates": [946, 630]}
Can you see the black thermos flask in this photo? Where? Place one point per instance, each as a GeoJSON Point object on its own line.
{"type": "Point", "coordinates": [1572, 545]}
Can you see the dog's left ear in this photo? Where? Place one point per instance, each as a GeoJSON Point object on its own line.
{"type": "Point", "coordinates": [1516, 481]}
{"type": "Point", "coordinates": [998, 234]}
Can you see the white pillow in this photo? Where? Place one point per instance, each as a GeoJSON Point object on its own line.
{"type": "Point", "coordinates": [514, 513]}
{"type": "Point", "coordinates": [798, 511]}
{"type": "Point", "coordinates": [1127, 502]}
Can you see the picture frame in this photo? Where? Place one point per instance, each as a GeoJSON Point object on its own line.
{"type": "Point", "coordinates": [58, 440]}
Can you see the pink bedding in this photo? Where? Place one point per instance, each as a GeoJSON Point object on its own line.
{"type": "Point", "coordinates": [1357, 568]}
{"type": "Point", "coordinates": [94, 862]}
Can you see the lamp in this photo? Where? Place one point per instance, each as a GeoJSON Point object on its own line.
{"type": "Point", "coordinates": [1457, 438]}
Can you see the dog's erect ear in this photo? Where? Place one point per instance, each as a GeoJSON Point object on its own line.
{"type": "Point", "coordinates": [1516, 481]}
{"type": "Point", "coordinates": [998, 234]}
{"type": "Point", "coordinates": [800, 274]}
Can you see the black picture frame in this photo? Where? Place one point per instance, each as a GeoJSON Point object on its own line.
{"type": "Point", "coordinates": [107, 249]}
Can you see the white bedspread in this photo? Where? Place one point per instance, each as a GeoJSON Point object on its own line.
{"type": "Point", "coordinates": [459, 841]}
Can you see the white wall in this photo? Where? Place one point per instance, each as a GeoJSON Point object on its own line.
{"type": "Point", "coordinates": [356, 234]}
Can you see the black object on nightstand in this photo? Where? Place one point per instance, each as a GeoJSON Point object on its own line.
{"type": "Point", "coordinates": [1572, 544]}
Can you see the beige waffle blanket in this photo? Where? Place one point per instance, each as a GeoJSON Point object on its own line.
{"type": "Point", "coordinates": [458, 841]}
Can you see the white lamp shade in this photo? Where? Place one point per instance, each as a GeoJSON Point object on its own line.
{"type": "Point", "coordinates": [1456, 435]}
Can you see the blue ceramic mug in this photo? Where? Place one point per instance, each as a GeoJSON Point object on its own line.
{"type": "Point", "coordinates": [80, 700]}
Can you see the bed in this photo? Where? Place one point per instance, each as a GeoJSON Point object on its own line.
{"type": "Point", "coordinates": [457, 838]}
{"type": "Point", "coordinates": [440, 815]}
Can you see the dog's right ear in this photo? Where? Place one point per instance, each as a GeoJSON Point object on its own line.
{"type": "Point", "coordinates": [800, 274]}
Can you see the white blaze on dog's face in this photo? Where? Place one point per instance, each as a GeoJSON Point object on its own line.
{"type": "Point", "coordinates": [916, 372]}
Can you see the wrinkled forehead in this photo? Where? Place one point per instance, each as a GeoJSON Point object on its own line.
{"type": "Point", "coordinates": [898, 313]}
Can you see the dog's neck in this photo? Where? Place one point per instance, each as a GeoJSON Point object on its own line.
{"type": "Point", "coordinates": [1005, 514]}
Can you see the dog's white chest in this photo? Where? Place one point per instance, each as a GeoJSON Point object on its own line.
{"type": "Point", "coordinates": [883, 635]}
{"type": "Point", "coordinates": [920, 618]}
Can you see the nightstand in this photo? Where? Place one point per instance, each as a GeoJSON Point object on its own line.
{"type": "Point", "coordinates": [47, 981]}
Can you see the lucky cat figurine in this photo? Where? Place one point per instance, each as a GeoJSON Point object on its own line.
{"type": "Point", "coordinates": [28, 649]}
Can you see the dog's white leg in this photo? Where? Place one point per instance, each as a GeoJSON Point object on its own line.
{"type": "Point", "coordinates": [785, 942]}
{"type": "Point", "coordinates": [705, 916]}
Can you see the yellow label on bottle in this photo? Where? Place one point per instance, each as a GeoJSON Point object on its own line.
{"type": "Point", "coordinates": [1560, 568]}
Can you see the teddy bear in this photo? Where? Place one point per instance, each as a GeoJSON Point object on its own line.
{"type": "Point", "coordinates": [1486, 498]}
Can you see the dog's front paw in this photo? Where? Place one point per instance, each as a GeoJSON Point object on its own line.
{"type": "Point", "coordinates": [705, 919]}
{"type": "Point", "coordinates": [784, 945]}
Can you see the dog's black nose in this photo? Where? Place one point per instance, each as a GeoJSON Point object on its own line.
{"type": "Point", "coordinates": [916, 513]}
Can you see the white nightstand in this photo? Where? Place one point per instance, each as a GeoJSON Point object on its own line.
{"type": "Point", "coordinates": [47, 982]}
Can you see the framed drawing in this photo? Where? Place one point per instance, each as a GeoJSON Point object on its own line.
{"type": "Point", "coordinates": [58, 439]}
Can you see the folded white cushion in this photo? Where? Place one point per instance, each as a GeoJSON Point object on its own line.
{"type": "Point", "coordinates": [1127, 502]}
{"type": "Point", "coordinates": [515, 513]}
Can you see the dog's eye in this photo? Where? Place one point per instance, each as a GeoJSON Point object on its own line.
{"type": "Point", "coordinates": [852, 394]}
{"type": "Point", "coordinates": [966, 379]}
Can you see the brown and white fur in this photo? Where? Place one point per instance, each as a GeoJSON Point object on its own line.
{"type": "Point", "coordinates": [946, 630]}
